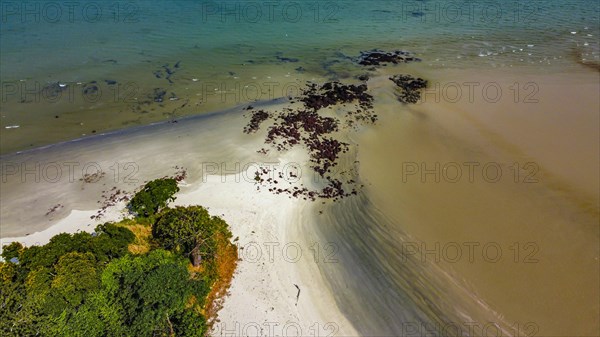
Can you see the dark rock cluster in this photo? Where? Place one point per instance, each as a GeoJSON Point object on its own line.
{"type": "Point", "coordinates": [409, 88]}
{"type": "Point", "coordinates": [159, 98]}
{"type": "Point", "coordinates": [90, 88]}
{"type": "Point", "coordinates": [166, 72]}
{"type": "Point", "coordinates": [296, 192]}
{"type": "Point", "coordinates": [324, 153]}
{"type": "Point", "coordinates": [53, 89]}
{"type": "Point", "coordinates": [159, 95]}
{"type": "Point", "coordinates": [377, 57]}
{"type": "Point", "coordinates": [285, 135]}
{"type": "Point", "coordinates": [335, 190]}
{"type": "Point", "coordinates": [92, 178]}
{"type": "Point", "coordinates": [332, 93]}
{"type": "Point", "coordinates": [308, 128]}
{"type": "Point", "coordinates": [287, 59]}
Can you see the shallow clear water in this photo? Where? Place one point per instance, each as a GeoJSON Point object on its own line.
{"type": "Point", "coordinates": [231, 52]}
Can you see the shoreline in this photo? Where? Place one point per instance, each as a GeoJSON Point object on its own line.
{"type": "Point", "coordinates": [263, 293]}
{"type": "Point", "coordinates": [339, 293]}
{"type": "Point", "coordinates": [196, 101]}
{"type": "Point", "coordinates": [76, 221]}
{"type": "Point", "coordinates": [125, 131]}
{"type": "Point", "coordinates": [265, 277]}
{"type": "Point", "coordinates": [78, 175]}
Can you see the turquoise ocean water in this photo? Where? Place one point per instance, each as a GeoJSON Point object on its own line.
{"type": "Point", "coordinates": [42, 38]}
{"type": "Point", "coordinates": [126, 49]}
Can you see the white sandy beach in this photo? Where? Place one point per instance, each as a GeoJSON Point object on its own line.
{"type": "Point", "coordinates": [274, 259]}
{"type": "Point", "coordinates": [262, 299]}
{"type": "Point", "coordinates": [76, 221]}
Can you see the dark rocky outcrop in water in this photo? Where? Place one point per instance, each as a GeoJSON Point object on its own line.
{"type": "Point", "coordinates": [378, 57]}
{"type": "Point", "coordinates": [166, 72]}
{"type": "Point", "coordinates": [332, 93]}
{"type": "Point", "coordinates": [287, 59]}
{"type": "Point", "coordinates": [409, 88]}
{"type": "Point", "coordinates": [159, 95]}
{"type": "Point", "coordinates": [90, 88]}
{"type": "Point", "coordinates": [363, 77]}
{"type": "Point", "coordinates": [53, 89]}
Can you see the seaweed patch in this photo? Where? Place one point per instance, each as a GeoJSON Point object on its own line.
{"type": "Point", "coordinates": [310, 128]}
{"type": "Point", "coordinates": [257, 118]}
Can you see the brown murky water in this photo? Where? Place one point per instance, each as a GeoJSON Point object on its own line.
{"type": "Point", "coordinates": [511, 209]}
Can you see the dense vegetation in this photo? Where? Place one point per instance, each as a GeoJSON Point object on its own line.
{"type": "Point", "coordinates": [154, 196]}
{"type": "Point", "coordinates": [125, 279]}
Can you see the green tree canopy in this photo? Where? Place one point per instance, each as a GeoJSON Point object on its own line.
{"type": "Point", "coordinates": [154, 196]}
{"type": "Point", "coordinates": [76, 275]}
{"type": "Point", "coordinates": [89, 284]}
{"type": "Point", "coordinates": [189, 231]}
{"type": "Point", "coordinates": [107, 242]}
{"type": "Point", "coordinates": [11, 251]}
{"type": "Point", "coordinates": [151, 291]}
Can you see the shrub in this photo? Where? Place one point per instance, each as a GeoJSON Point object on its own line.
{"type": "Point", "coordinates": [154, 196]}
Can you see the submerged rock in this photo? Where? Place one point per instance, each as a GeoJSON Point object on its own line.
{"type": "Point", "coordinates": [410, 88]}
{"type": "Point", "coordinates": [287, 59]}
{"type": "Point", "coordinates": [379, 57]}
{"type": "Point", "coordinates": [90, 88]}
{"type": "Point", "coordinates": [159, 94]}
{"type": "Point", "coordinates": [53, 89]}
